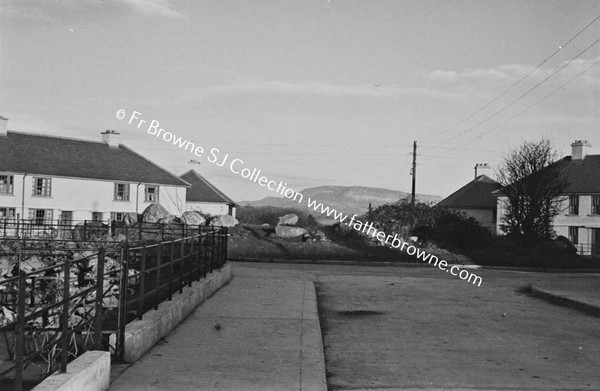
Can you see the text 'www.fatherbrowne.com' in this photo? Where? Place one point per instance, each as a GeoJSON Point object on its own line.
{"type": "Point", "coordinates": [237, 166]}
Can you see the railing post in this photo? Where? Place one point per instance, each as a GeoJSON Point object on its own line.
{"type": "Point", "coordinates": [123, 302]}
{"type": "Point", "coordinates": [158, 265]}
{"type": "Point", "coordinates": [171, 272]}
{"type": "Point", "coordinates": [190, 259]}
{"type": "Point", "coordinates": [194, 261]}
{"type": "Point", "coordinates": [99, 297]}
{"type": "Point", "coordinates": [142, 284]}
{"type": "Point", "coordinates": [217, 248]}
{"type": "Point", "coordinates": [181, 264]}
{"type": "Point", "coordinates": [225, 240]}
{"type": "Point", "coordinates": [20, 332]}
{"type": "Point", "coordinates": [64, 320]}
{"type": "Point", "coordinates": [207, 253]}
{"type": "Point", "coordinates": [200, 249]}
{"type": "Point", "coordinates": [140, 232]}
{"type": "Point", "coordinates": [212, 249]}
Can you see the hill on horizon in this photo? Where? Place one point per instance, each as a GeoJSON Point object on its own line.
{"type": "Point", "coordinates": [347, 199]}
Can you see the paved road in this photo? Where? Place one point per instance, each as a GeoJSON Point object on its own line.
{"type": "Point", "coordinates": [385, 328]}
{"type": "Point", "coordinates": [404, 328]}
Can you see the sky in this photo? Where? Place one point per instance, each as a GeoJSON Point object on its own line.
{"type": "Point", "coordinates": [312, 93]}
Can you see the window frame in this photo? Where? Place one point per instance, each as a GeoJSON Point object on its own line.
{"type": "Point", "coordinates": [574, 206]}
{"type": "Point", "coordinates": [43, 190]}
{"type": "Point", "coordinates": [5, 215]}
{"type": "Point", "coordinates": [595, 204]}
{"type": "Point", "coordinates": [155, 193]}
{"type": "Point", "coordinates": [574, 235]}
{"type": "Point", "coordinates": [9, 185]}
{"type": "Point", "coordinates": [45, 218]}
{"type": "Point", "coordinates": [114, 215]}
{"type": "Point", "coordinates": [126, 192]}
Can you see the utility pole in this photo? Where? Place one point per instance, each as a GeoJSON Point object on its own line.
{"type": "Point", "coordinates": [413, 172]}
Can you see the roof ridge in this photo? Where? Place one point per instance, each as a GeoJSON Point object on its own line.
{"type": "Point", "coordinates": [57, 137]}
{"type": "Point", "coordinates": [47, 154]}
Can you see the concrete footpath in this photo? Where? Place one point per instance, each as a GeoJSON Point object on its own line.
{"type": "Point", "coordinates": [582, 293]}
{"type": "Point", "coordinates": [260, 332]}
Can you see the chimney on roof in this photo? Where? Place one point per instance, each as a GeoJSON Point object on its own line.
{"type": "Point", "coordinates": [109, 137]}
{"type": "Point", "coordinates": [577, 149]}
{"type": "Point", "coordinates": [481, 168]}
{"type": "Point", "coordinates": [3, 125]}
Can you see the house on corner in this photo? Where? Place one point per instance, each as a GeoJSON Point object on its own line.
{"type": "Point", "coordinates": [47, 178]}
{"type": "Point", "coordinates": [204, 197]}
{"type": "Point", "coordinates": [580, 217]}
{"type": "Point", "coordinates": [475, 199]}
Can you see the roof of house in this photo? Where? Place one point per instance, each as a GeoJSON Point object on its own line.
{"type": "Point", "coordinates": [27, 153]}
{"type": "Point", "coordinates": [476, 194]}
{"type": "Point", "coordinates": [202, 190]}
{"type": "Point", "coordinates": [583, 176]}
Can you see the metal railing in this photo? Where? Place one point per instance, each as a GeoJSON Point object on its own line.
{"type": "Point", "coordinates": [154, 272]}
{"type": "Point", "coordinates": [588, 249]}
{"type": "Point", "coordinates": [50, 314]}
{"type": "Point", "coordinates": [89, 230]}
{"type": "Point", "coordinates": [54, 229]}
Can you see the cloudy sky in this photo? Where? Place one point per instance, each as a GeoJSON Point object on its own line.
{"type": "Point", "coordinates": [310, 92]}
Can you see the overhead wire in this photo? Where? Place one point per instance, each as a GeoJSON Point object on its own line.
{"type": "Point", "coordinates": [516, 82]}
{"type": "Point", "coordinates": [521, 96]}
{"type": "Point", "coordinates": [536, 102]}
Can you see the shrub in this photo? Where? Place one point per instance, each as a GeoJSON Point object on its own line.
{"type": "Point", "coordinates": [445, 228]}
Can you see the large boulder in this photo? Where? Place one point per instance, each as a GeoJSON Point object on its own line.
{"type": "Point", "coordinates": [171, 220]}
{"type": "Point", "coordinates": [153, 213]}
{"type": "Point", "coordinates": [7, 264]}
{"type": "Point", "coordinates": [286, 231]}
{"type": "Point", "coordinates": [192, 217]}
{"type": "Point", "coordinates": [32, 264]}
{"type": "Point", "coordinates": [289, 219]}
{"type": "Point", "coordinates": [130, 218]}
{"type": "Point", "coordinates": [224, 221]}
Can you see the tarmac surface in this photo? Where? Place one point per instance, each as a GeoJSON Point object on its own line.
{"type": "Point", "coordinates": [384, 328]}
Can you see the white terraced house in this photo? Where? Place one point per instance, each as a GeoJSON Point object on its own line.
{"type": "Point", "coordinates": [580, 217]}
{"type": "Point", "coordinates": [46, 178]}
{"type": "Point", "coordinates": [205, 198]}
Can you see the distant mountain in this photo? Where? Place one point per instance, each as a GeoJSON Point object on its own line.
{"type": "Point", "coordinates": [348, 199]}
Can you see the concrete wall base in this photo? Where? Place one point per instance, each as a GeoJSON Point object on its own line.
{"type": "Point", "coordinates": [142, 335]}
{"type": "Point", "coordinates": [90, 372]}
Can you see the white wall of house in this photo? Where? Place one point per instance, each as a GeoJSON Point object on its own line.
{"type": "Point", "coordinates": [212, 208]}
{"type": "Point", "coordinates": [82, 197]}
{"type": "Point", "coordinates": [584, 221]}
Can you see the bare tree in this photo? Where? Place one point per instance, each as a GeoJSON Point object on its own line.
{"type": "Point", "coordinates": [534, 186]}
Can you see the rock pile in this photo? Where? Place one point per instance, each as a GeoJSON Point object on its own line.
{"type": "Point", "coordinates": [224, 221]}
{"type": "Point", "coordinates": [286, 227]}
